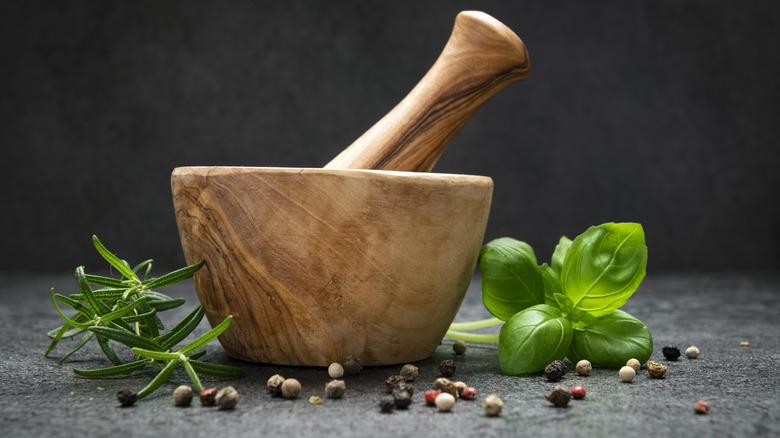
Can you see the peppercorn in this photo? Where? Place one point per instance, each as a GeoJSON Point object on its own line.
{"type": "Point", "coordinates": [409, 372]}
{"type": "Point", "coordinates": [633, 363]}
{"type": "Point", "coordinates": [182, 396]}
{"type": "Point", "coordinates": [208, 396]}
{"type": "Point", "coordinates": [445, 402]}
{"type": "Point", "coordinates": [583, 367]}
{"type": "Point", "coordinates": [578, 392]}
{"type": "Point", "coordinates": [335, 370]}
{"type": "Point", "coordinates": [352, 364]}
{"type": "Point", "coordinates": [701, 407]}
{"type": "Point", "coordinates": [274, 385]}
{"type": "Point", "coordinates": [393, 381]}
{"type": "Point", "coordinates": [447, 367]}
{"type": "Point", "coordinates": [291, 388]}
{"type": "Point", "coordinates": [402, 397]}
{"type": "Point", "coordinates": [459, 347]}
{"type": "Point", "coordinates": [692, 352]}
{"type": "Point", "coordinates": [656, 370]}
{"type": "Point", "coordinates": [386, 404]}
{"type": "Point", "coordinates": [555, 370]}
{"type": "Point", "coordinates": [627, 374]}
{"type": "Point", "coordinates": [226, 398]}
{"type": "Point", "coordinates": [446, 386]}
{"type": "Point", "coordinates": [335, 388]}
{"type": "Point", "coordinates": [460, 387]}
{"type": "Point", "coordinates": [559, 396]}
{"type": "Point", "coordinates": [469, 393]}
{"type": "Point", "coordinates": [671, 352]}
{"type": "Point", "coordinates": [430, 396]}
{"type": "Point", "coordinates": [492, 405]}
{"type": "Point", "coordinates": [127, 397]}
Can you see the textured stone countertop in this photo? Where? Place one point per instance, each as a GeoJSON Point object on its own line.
{"type": "Point", "coordinates": [715, 312]}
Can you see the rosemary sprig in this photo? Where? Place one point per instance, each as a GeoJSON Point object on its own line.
{"type": "Point", "coordinates": [125, 311]}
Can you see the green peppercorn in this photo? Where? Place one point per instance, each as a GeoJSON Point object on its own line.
{"type": "Point", "coordinates": [226, 398]}
{"type": "Point", "coordinates": [459, 347]}
{"type": "Point", "coordinates": [352, 364]}
{"type": "Point", "coordinates": [409, 372]}
{"type": "Point", "coordinates": [182, 396]}
{"type": "Point", "coordinates": [656, 370]}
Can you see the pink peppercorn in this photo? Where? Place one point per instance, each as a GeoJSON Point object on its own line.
{"type": "Point", "coordinates": [578, 392]}
{"type": "Point", "coordinates": [430, 396]}
{"type": "Point", "coordinates": [469, 393]}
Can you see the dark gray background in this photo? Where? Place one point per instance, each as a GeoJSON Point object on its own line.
{"type": "Point", "coordinates": [659, 112]}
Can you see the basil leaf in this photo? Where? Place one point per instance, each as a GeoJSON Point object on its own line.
{"type": "Point", "coordinates": [604, 266]}
{"type": "Point", "coordinates": [532, 339]}
{"type": "Point", "coordinates": [560, 253]}
{"type": "Point", "coordinates": [511, 280]}
{"type": "Point", "coordinates": [612, 340]}
{"type": "Point", "coordinates": [552, 284]}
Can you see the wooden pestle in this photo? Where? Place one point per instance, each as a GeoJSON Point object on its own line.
{"type": "Point", "coordinates": [481, 58]}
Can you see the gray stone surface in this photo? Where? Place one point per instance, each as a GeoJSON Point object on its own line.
{"type": "Point", "coordinates": [41, 397]}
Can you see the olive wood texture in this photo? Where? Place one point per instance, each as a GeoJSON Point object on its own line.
{"type": "Point", "coordinates": [318, 264]}
{"type": "Point", "coordinates": [481, 58]}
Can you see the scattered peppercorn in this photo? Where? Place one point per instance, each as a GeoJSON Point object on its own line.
{"type": "Point", "coordinates": [447, 367]}
{"type": "Point", "coordinates": [469, 393]}
{"type": "Point", "coordinates": [182, 396]}
{"type": "Point", "coordinates": [208, 396]}
{"type": "Point", "coordinates": [446, 386]}
{"type": "Point", "coordinates": [578, 392]}
{"type": "Point", "coordinates": [555, 370]}
{"type": "Point", "coordinates": [393, 381]}
{"type": "Point", "coordinates": [460, 387]}
{"type": "Point", "coordinates": [692, 352]}
{"type": "Point", "coordinates": [656, 370]}
{"type": "Point", "coordinates": [409, 372]}
{"type": "Point", "coordinates": [127, 397]}
{"type": "Point", "coordinates": [744, 344]}
{"type": "Point", "coordinates": [492, 405]}
{"type": "Point", "coordinates": [274, 385]}
{"type": "Point", "coordinates": [627, 374]}
{"type": "Point", "coordinates": [633, 363]}
{"type": "Point", "coordinates": [352, 364]}
{"type": "Point", "coordinates": [430, 396]}
{"type": "Point", "coordinates": [386, 404]}
{"type": "Point", "coordinates": [291, 388]}
{"type": "Point", "coordinates": [335, 370]}
{"type": "Point", "coordinates": [335, 388]}
{"type": "Point", "coordinates": [402, 397]}
{"type": "Point", "coordinates": [559, 396]}
{"type": "Point", "coordinates": [583, 367]}
{"type": "Point", "coordinates": [226, 398]}
{"type": "Point", "coordinates": [315, 400]}
{"type": "Point", "coordinates": [671, 352]}
{"type": "Point", "coordinates": [445, 402]}
{"type": "Point", "coordinates": [459, 347]}
{"type": "Point", "coordinates": [701, 407]}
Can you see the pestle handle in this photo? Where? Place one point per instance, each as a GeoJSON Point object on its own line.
{"type": "Point", "coordinates": [481, 58]}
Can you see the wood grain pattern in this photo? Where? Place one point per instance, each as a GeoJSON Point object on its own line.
{"type": "Point", "coordinates": [481, 58]}
{"type": "Point", "coordinates": [318, 264]}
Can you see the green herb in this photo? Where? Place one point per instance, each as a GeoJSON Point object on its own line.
{"type": "Point", "coordinates": [568, 308]}
{"type": "Point", "coordinates": [125, 310]}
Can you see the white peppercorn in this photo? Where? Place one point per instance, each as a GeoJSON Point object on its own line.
{"type": "Point", "coordinates": [584, 367]}
{"type": "Point", "coordinates": [627, 374]}
{"type": "Point", "coordinates": [182, 396]}
{"type": "Point", "coordinates": [460, 387]}
{"type": "Point", "coordinates": [227, 398]}
{"type": "Point", "coordinates": [274, 385]}
{"type": "Point", "coordinates": [291, 388]}
{"type": "Point", "coordinates": [633, 363]}
{"type": "Point", "coordinates": [335, 370]}
{"type": "Point", "coordinates": [692, 352]}
{"type": "Point", "coordinates": [492, 405]}
{"type": "Point", "coordinates": [335, 388]}
{"type": "Point", "coordinates": [445, 402]}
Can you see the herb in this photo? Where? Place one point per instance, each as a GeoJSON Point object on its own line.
{"type": "Point", "coordinates": [125, 310]}
{"type": "Point", "coordinates": [568, 308]}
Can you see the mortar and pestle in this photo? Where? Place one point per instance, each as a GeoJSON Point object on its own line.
{"type": "Point", "coordinates": [369, 256]}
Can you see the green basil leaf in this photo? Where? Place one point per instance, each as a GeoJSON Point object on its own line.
{"type": "Point", "coordinates": [552, 284]}
{"type": "Point", "coordinates": [604, 266]}
{"type": "Point", "coordinates": [612, 340]}
{"type": "Point", "coordinates": [511, 280]}
{"type": "Point", "coordinates": [532, 339]}
{"type": "Point", "coordinates": [559, 254]}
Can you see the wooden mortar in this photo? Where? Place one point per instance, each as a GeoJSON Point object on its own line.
{"type": "Point", "coordinates": [318, 264]}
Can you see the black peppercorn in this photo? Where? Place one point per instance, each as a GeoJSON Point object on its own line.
{"type": "Point", "coordinates": [386, 404]}
{"type": "Point", "coordinates": [393, 381]}
{"type": "Point", "coordinates": [127, 397]}
{"type": "Point", "coordinates": [559, 396]}
{"type": "Point", "coordinates": [402, 398]}
{"type": "Point", "coordinates": [447, 367]}
{"type": "Point", "coordinates": [555, 370]}
{"type": "Point", "coordinates": [671, 352]}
